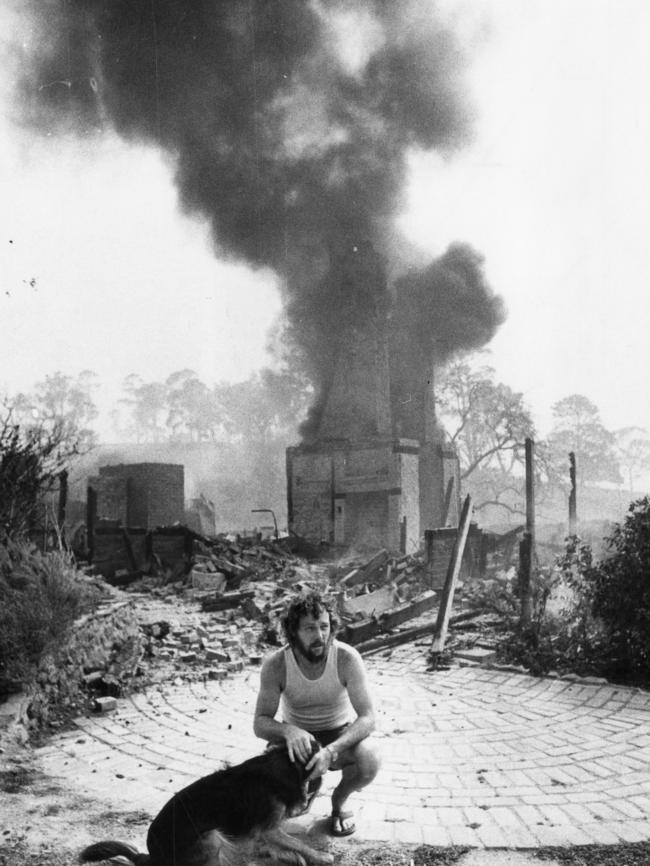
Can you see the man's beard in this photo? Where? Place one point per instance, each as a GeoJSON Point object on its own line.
{"type": "Point", "coordinates": [315, 652]}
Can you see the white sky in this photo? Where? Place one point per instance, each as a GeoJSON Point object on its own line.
{"type": "Point", "coordinates": [554, 192]}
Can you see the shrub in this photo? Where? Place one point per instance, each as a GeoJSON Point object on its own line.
{"type": "Point", "coordinates": [593, 617]}
{"type": "Point", "coordinates": [619, 588]}
{"type": "Point", "coordinates": [40, 597]}
{"type": "Point", "coordinates": [32, 459]}
{"type": "Point", "coordinates": [563, 634]}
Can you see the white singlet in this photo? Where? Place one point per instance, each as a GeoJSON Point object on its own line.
{"type": "Point", "coordinates": [315, 705]}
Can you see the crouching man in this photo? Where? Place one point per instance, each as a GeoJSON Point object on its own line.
{"type": "Point", "coordinates": [320, 685]}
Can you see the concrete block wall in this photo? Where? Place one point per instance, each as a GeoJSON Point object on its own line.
{"type": "Point", "coordinates": [112, 497]}
{"type": "Point", "coordinates": [141, 494]}
{"type": "Point", "coordinates": [110, 551]}
{"type": "Point", "coordinates": [356, 493]}
{"type": "Point", "coordinates": [311, 495]}
{"type": "Point", "coordinates": [366, 520]}
{"type": "Point", "coordinates": [358, 402]}
{"type": "Point", "coordinates": [171, 546]}
{"type": "Point", "coordinates": [409, 500]}
{"type": "Point", "coordinates": [370, 467]}
{"type": "Point", "coordinates": [442, 548]}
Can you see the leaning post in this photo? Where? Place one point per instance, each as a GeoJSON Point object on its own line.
{"type": "Point", "coordinates": [455, 562]}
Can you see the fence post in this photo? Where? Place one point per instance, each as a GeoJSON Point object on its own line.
{"type": "Point", "coordinates": [62, 505]}
{"type": "Point", "coordinates": [91, 519]}
{"type": "Point", "coordinates": [428, 556]}
{"type": "Point", "coordinates": [527, 546]}
{"type": "Point", "coordinates": [573, 505]}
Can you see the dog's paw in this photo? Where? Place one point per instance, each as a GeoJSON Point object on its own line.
{"type": "Point", "coordinates": [321, 859]}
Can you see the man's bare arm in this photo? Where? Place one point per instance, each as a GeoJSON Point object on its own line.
{"type": "Point", "coordinates": [355, 680]}
{"type": "Point", "coordinates": [265, 725]}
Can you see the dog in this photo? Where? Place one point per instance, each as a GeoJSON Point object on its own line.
{"type": "Point", "coordinates": [226, 817]}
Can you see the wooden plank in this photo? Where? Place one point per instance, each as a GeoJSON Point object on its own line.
{"type": "Point", "coordinates": [442, 623]}
{"type": "Point", "coordinates": [226, 600]}
{"type": "Point", "coordinates": [129, 551]}
{"type": "Point", "coordinates": [371, 603]}
{"type": "Point", "coordinates": [391, 640]}
{"type": "Point", "coordinates": [365, 573]}
{"type": "Point", "coordinates": [361, 631]}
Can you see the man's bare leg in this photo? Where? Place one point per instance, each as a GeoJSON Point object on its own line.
{"type": "Point", "coordinates": [361, 765]}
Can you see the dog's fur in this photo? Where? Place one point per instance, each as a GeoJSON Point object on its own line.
{"type": "Point", "coordinates": [225, 817]}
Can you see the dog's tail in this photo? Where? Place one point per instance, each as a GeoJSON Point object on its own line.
{"type": "Point", "coordinates": [108, 849]}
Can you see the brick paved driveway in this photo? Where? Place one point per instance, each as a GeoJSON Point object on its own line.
{"type": "Point", "coordinates": [471, 755]}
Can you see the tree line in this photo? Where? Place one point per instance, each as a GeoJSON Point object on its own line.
{"type": "Point", "coordinates": [180, 408]}
{"type": "Point", "coordinates": [486, 421]}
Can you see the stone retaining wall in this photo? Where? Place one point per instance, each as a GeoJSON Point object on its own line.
{"type": "Point", "coordinates": [106, 644]}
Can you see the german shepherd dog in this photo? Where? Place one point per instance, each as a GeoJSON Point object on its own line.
{"type": "Point", "coordinates": [225, 818]}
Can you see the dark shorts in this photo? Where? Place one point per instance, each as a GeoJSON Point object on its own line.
{"type": "Point", "coordinates": [324, 738]}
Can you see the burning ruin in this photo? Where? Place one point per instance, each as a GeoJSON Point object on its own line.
{"type": "Point", "coordinates": [289, 125]}
{"type": "Point", "coordinates": [374, 469]}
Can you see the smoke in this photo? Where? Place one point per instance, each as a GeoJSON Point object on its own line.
{"type": "Point", "coordinates": [442, 309]}
{"type": "Point", "coordinates": [288, 123]}
{"type": "Point", "coordinates": [446, 307]}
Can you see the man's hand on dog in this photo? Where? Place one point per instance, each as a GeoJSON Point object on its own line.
{"type": "Point", "coordinates": [319, 764]}
{"type": "Point", "coordinates": [300, 744]}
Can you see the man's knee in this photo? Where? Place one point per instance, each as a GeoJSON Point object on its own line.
{"type": "Point", "coordinates": [366, 761]}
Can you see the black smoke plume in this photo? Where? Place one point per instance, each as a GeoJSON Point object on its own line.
{"type": "Point", "coordinates": [288, 123]}
{"type": "Point", "coordinates": [444, 308]}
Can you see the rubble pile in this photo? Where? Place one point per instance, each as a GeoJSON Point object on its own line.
{"type": "Point", "coordinates": [234, 593]}
{"type": "Point", "coordinates": [222, 614]}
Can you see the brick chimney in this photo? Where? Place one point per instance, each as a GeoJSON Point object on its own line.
{"type": "Point", "coordinates": [375, 474]}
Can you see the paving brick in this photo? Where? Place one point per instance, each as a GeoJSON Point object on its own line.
{"type": "Point", "coordinates": [409, 833]}
{"type": "Point", "coordinates": [505, 817]}
{"type": "Point", "coordinates": [465, 836]}
{"type": "Point", "coordinates": [629, 808]}
{"type": "Point", "coordinates": [576, 756]}
{"type": "Point", "coordinates": [399, 813]}
{"type": "Point", "coordinates": [432, 835]}
{"type": "Point", "coordinates": [371, 811]}
{"type": "Point", "coordinates": [491, 836]}
{"type": "Point", "coordinates": [521, 836]}
{"type": "Point", "coordinates": [378, 831]}
{"type": "Point", "coordinates": [633, 831]}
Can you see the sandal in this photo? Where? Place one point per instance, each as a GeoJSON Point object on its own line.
{"type": "Point", "coordinates": [340, 824]}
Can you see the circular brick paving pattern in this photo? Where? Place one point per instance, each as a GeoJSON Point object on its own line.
{"type": "Point", "coordinates": [471, 755]}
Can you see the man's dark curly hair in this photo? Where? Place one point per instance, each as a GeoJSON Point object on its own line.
{"type": "Point", "coordinates": [309, 603]}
